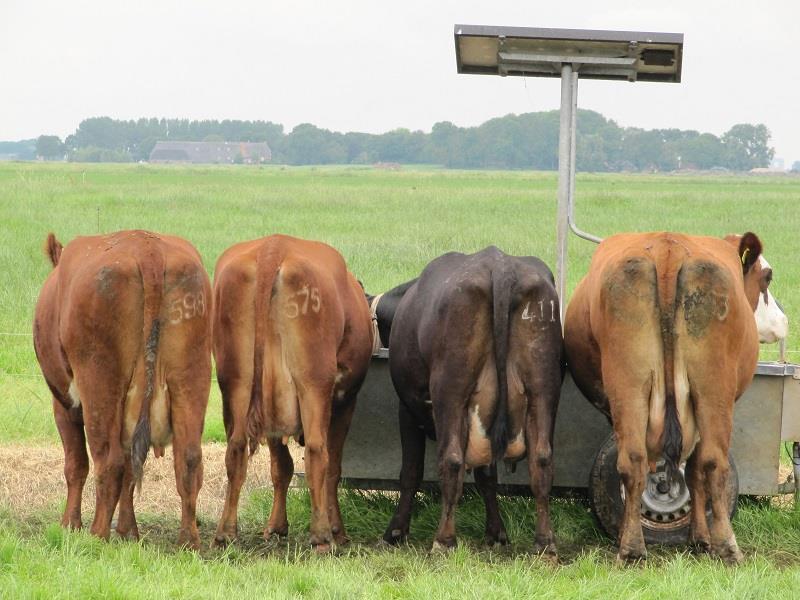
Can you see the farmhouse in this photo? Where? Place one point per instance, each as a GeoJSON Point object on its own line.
{"type": "Point", "coordinates": [211, 152]}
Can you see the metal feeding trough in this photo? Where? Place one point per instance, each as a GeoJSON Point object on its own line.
{"type": "Point", "coordinates": [584, 452]}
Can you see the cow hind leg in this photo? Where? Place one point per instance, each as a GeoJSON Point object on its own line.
{"type": "Point", "coordinates": [109, 467]}
{"type": "Point", "coordinates": [449, 398]}
{"type": "Point", "coordinates": [630, 417]}
{"type": "Point", "coordinates": [486, 481]}
{"type": "Point", "coordinates": [412, 442]}
{"type": "Point", "coordinates": [126, 517]}
{"type": "Point", "coordinates": [281, 471]}
{"type": "Point", "coordinates": [632, 468]}
{"type": "Point", "coordinates": [699, 536]}
{"type": "Point", "coordinates": [451, 471]}
{"type": "Point", "coordinates": [187, 429]}
{"type": "Point", "coordinates": [103, 420]}
{"type": "Point", "coordinates": [716, 469]}
{"type": "Point", "coordinates": [539, 436]}
{"type": "Point", "coordinates": [76, 461]}
{"type": "Point", "coordinates": [315, 413]}
{"type": "Point", "coordinates": [236, 401]}
{"type": "Point", "coordinates": [341, 417]}
{"type": "Point", "coordinates": [715, 418]}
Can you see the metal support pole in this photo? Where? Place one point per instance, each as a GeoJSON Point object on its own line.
{"type": "Point", "coordinates": [572, 147]}
{"type": "Point", "coordinates": [571, 212]}
{"type": "Point", "coordinates": [782, 350]}
{"type": "Point", "coordinates": [564, 184]}
{"type": "Point", "coordinates": [796, 471]}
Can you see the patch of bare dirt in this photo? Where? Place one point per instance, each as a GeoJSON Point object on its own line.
{"type": "Point", "coordinates": [32, 479]}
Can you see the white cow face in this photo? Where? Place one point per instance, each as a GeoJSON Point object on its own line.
{"type": "Point", "coordinates": [772, 323]}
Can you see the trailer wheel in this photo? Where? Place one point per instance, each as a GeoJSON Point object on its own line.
{"type": "Point", "coordinates": [665, 513]}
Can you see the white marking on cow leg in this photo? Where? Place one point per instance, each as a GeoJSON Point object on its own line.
{"type": "Point", "coordinates": [73, 394]}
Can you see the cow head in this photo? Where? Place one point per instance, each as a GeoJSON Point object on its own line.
{"type": "Point", "coordinates": [773, 325]}
{"type": "Point", "coordinates": [383, 308]}
{"type": "Point", "coordinates": [771, 321]}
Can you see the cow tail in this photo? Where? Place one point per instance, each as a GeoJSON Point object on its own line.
{"type": "Point", "coordinates": [502, 284]}
{"type": "Point", "coordinates": [268, 263]}
{"type": "Point", "coordinates": [672, 435]}
{"type": "Point", "coordinates": [152, 272]}
{"type": "Point", "coordinates": [53, 248]}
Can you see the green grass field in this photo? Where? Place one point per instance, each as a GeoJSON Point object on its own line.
{"type": "Point", "coordinates": [388, 225]}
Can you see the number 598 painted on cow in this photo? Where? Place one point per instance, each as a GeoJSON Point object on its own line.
{"type": "Point", "coordinates": [190, 305]}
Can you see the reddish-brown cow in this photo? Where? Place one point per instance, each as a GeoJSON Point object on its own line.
{"type": "Point", "coordinates": [123, 336]}
{"type": "Point", "coordinates": [292, 342]}
{"type": "Point", "coordinates": [660, 336]}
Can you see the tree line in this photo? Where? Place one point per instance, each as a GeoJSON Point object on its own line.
{"type": "Point", "coordinates": [526, 141]}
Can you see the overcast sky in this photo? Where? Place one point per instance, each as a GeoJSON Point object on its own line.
{"type": "Point", "coordinates": [372, 66]}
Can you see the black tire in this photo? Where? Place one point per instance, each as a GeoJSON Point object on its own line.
{"type": "Point", "coordinates": [605, 494]}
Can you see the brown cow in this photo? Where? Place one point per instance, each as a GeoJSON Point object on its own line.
{"type": "Point", "coordinates": [660, 336]}
{"type": "Point", "coordinates": [122, 333]}
{"type": "Point", "coordinates": [292, 342]}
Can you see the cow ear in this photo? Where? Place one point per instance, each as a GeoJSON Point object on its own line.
{"type": "Point", "coordinates": [749, 250]}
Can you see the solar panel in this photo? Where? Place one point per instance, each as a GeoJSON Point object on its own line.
{"type": "Point", "coordinates": [593, 54]}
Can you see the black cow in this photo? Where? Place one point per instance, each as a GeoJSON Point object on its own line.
{"type": "Point", "coordinates": [476, 359]}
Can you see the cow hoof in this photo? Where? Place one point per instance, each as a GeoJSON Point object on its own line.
{"type": "Point", "coordinates": [223, 539]}
{"type": "Point", "coordinates": [279, 530]}
{"type": "Point", "coordinates": [395, 537]}
{"type": "Point", "coordinates": [497, 541]}
{"type": "Point", "coordinates": [75, 525]}
{"type": "Point", "coordinates": [546, 550]}
{"type": "Point", "coordinates": [189, 540]}
{"type": "Point", "coordinates": [630, 556]}
{"type": "Point", "coordinates": [729, 553]}
{"type": "Point", "coordinates": [323, 548]}
{"type": "Point", "coordinates": [192, 544]}
{"type": "Point", "coordinates": [131, 535]}
{"type": "Point", "coordinates": [443, 547]}
{"type": "Point", "coordinates": [700, 546]}
{"type": "Point", "coordinates": [276, 532]}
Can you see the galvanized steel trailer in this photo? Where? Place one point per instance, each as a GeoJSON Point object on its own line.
{"type": "Point", "coordinates": [767, 414]}
{"type": "Point", "coordinates": [583, 448]}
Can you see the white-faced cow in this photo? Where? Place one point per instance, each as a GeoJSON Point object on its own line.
{"type": "Point", "coordinates": [476, 359]}
{"type": "Point", "coordinates": [660, 336]}
{"type": "Point", "coordinates": [122, 333]}
{"type": "Point", "coordinates": [771, 322]}
{"type": "Point", "coordinates": [292, 343]}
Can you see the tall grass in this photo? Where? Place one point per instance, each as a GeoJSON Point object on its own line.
{"type": "Point", "coordinates": [38, 559]}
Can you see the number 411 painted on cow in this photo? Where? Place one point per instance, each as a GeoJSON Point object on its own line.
{"type": "Point", "coordinates": [531, 316]}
